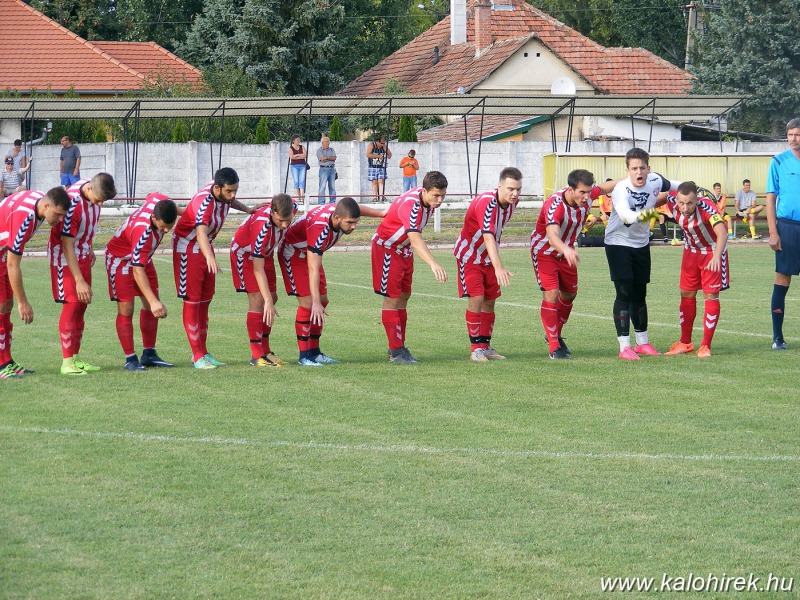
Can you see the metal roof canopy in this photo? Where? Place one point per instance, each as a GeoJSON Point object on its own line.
{"type": "Point", "coordinates": [671, 109]}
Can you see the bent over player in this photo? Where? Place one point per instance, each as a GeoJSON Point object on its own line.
{"type": "Point", "coordinates": [393, 247]}
{"type": "Point", "coordinates": [20, 217]}
{"type": "Point", "coordinates": [253, 271]}
{"type": "Point", "coordinates": [704, 265]}
{"type": "Point", "coordinates": [71, 259]}
{"type": "Point", "coordinates": [480, 271]}
{"type": "Point", "coordinates": [131, 273]}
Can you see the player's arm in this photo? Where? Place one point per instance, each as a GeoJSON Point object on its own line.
{"type": "Point", "coordinates": [772, 223]}
{"type": "Point", "coordinates": [554, 238]}
{"type": "Point", "coordinates": [83, 289]}
{"type": "Point", "coordinates": [318, 311]}
{"type": "Point", "coordinates": [241, 206]}
{"type": "Point", "coordinates": [269, 313]}
{"type": "Point", "coordinates": [619, 203]}
{"type": "Point", "coordinates": [607, 186]}
{"type": "Point", "coordinates": [156, 306]}
{"type": "Point", "coordinates": [206, 249]}
{"type": "Point", "coordinates": [421, 248]}
{"type": "Point", "coordinates": [493, 251]}
{"type": "Point", "coordinates": [366, 211]}
{"type": "Point", "coordinates": [715, 264]}
{"type": "Point", "coordinates": [15, 276]}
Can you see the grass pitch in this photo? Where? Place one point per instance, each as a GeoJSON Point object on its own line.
{"type": "Point", "coordinates": [526, 478]}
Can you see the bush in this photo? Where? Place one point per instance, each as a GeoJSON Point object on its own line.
{"type": "Point", "coordinates": [179, 134]}
{"type": "Point", "coordinates": [337, 132]}
{"type": "Point", "coordinates": [262, 132]}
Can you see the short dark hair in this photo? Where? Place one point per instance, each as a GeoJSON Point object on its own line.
{"type": "Point", "coordinates": [18, 142]}
{"type": "Point", "coordinates": [166, 210]}
{"type": "Point", "coordinates": [687, 187]}
{"type": "Point", "coordinates": [347, 208]}
{"type": "Point", "coordinates": [412, 152]}
{"type": "Point", "coordinates": [793, 124]}
{"type": "Point", "coordinates": [637, 154]}
{"type": "Point", "coordinates": [580, 176]}
{"type": "Point", "coordinates": [59, 197]}
{"type": "Point", "coordinates": [103, 184]}
{"type": "Point", "coordinates": [434, 179]}
{"type": "Point", "coordinates": [282, 206]}
{"type": "Point", "coordinates": [745, 181]}
{"type": "Point", "coordinates": [225, 176]}
{"type": "Point", "coordinates": [716, 184]}
{"type": "Point", "coordinates": [295, 137]}
{"type": "Point", "coordinates": [510, 173]}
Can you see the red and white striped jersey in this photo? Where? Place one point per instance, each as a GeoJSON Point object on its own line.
{"type": "Point", "coordinates": [484, 215]}
{"type": "Point", "coordinates": [557, 211]}
{"type": "Point", "coordinates": [136, 240]}
{"type": "Point", "coordinates": [203, 209]}
{"type": "Point", "coordinates": [18, 220]}
{"type": "Point", "coordinates": [406, 214]}
{"type": "Point", "coordinates": [698, 228]}
{"type": "Point", "coordinates": [313, 232]}
{"type": "Point", "coordinates": [258, 236]}
{"type": "Point", "coordinates": [79, 223]}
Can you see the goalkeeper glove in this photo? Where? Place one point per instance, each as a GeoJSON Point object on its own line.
{"type": "Point", "coordinates": [647, 214]}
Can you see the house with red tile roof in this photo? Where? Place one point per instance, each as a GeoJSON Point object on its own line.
{"type": "Point", "coordinates": [508, 47]}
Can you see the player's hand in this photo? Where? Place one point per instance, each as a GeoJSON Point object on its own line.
{"type": "Point", "coordinates": [714, 265]}
{"type": "Point", "coordinates": [318, 313]}
{"type": "Point", "coordinates": [503, 276]}
{"type": "Point", "coordinates": [25, 312]}
{"type": "Point", "coordinates": [571, 256]}
{"type": "Point", "coordinates": [92, 256]}
{"type": "Point", "coordinates": [647, 214]}
{"type": "Point", "coordinates": [269, 313]}
{"type": "Point", "coordinates": [775, 242]}
{"type": "Point", "coordinates": [211, 263]}
{"type": "Point", "coordinates": [158, 309]}
{"type": "Point", "coordinates": [84, 291]}
{"type": "Point", "coordinates": [438, 272]}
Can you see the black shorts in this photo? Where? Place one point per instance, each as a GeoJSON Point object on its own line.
{"type": "Point", "coordinates": [629, 264]}
{"type": "Point", "coordinates": [787, 260]}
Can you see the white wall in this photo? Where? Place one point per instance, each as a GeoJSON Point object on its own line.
{"type": "Point", "coordinates": [181, 169]}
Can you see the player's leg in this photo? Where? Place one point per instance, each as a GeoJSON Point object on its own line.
{"type": "Point", "coordinates": [255, 329]}
{"type": "Point", "coordinates": [315, 353]}
{"type": "Point", "coordinates": [266, 330]}
{"type": "Point", "coordinates": [787, 264]}
{"type": "Point", "coordinates": [638, 300]}
{"type": "Point", "coordinates": [711, 311]}
{"type": "Point", "coordinates": [302, 327]}
{"type": "Point", "coordinates": [148, 322]}
{"type": "Point", "coordinates": [470, 286]}
{"type": "Point", "coordinates": [80, 324]}
{"type": "Point", "coordinates": [692, 265]}
{"type": "Point", "coordinates": [124, 326]}
{"type": "Point", "coordinates": [490, 290]}
{"type": "Point", "coordinates": [7, 370]}
{"type": "Point", "coordinates": [620, 264]}
{"type": "Point", "coordinates": [778, 307]}
{"type": "Point", "coordinates": [188, 283]}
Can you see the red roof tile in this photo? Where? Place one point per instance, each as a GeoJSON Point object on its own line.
{"type": "Point", "coordinates": [454, 131]}
{"type": "Point", "coordinates": [608, 70]}
{"type": "Point", "coordinates": [36, 52]}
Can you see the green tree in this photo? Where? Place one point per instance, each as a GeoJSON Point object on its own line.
{"type": "Point", "coordinates": [179, 134]}
{"type": "Point", "coordinates": [750, 48]}
{"type": "Point", "coordinates": [408, 132]}
{"type": "Point", "coordinates": [262, 132]}
{"type": "Point", "coordinates": [336, 132]}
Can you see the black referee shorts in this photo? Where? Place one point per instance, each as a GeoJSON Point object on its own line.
{"type": "Point", "coordinates": [787, 259]}
{"type": "Point", "coordinates": [631, 264]}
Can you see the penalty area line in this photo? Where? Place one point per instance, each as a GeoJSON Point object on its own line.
{"type": "Point", "coordinates": [395, 449]}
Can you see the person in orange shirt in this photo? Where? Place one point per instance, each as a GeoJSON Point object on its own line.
{"type": "Point", "coordinates": [720, 201]}
{"type": "Point", "coordinates": [604, 204]}
{"type": "Point", "coordinates": [410, 167]}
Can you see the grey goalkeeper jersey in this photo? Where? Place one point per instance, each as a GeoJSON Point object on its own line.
{"type": "Point", "coordinates": [624, 228]}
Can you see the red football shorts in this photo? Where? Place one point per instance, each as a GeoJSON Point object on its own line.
{"type": "Point", "coordinates": [244, 275]}
{"type": "Point", "coordinates": [477, 280]}
{"type": "Point", "coordinates": [63, 282]}
{"type": "Point", "coordinates": [193, 282]}
{"type": "Point", "coordinates": [6, 293]}
{"type": "Point", "coordinates": [122, 286]}
{"type": "Point", "coordinates": [295, 276]}
{"type": "Point", "coordinates": [554, 273]}
{"type": "Point", "coordinates": [391, 272]}
{"type": "Point", "coordinates": [695, 276]}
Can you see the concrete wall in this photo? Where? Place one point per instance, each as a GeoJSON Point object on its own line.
{"type": "Point", "coordinates": [181, 169]}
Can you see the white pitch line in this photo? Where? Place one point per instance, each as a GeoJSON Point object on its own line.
{"type": "Point", "coordinates": [575, 313]}
{"type": "Point", "coordinates": [406, 449]}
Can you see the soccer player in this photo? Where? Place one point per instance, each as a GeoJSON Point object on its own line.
{"type": "Point", "coordinates": [704, 265]}
{"type": "Point", "coordinates": [71, 259]}
{"type": "Point", "coordinates": [720, 201]}
{"type": "Point", "coordinates": [300, 257]}
{"type": "Point", "coordinates": [253, 271]}
{"type": "Point", "coordinates": [20, 217]}
{"type": "Point", "coordinates": [194, 263]}
{"type": "Point", "coordinates": [131, 273]}
{"type": "Point", "coordinates": [554, 257]}
{"type": "Point", "coordinates": [627, 243]}
{"type": "Point", "coordinates": [394, 243]}
{"type": "Point", "coordinates": [481, 273]}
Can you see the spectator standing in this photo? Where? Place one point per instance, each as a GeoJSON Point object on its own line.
{"type": "Point", "coordinates": [11, 180]}
{"type": "Point", "coordinates": [326, 156]}
{"type": "Point", "coordinates": [18, 154]}
{"type": "Point", "coordinates": [297, 164]}
{"type": "Point", "coordinates": [747, 208]}
{"type": "Point", "coordinates": [378, 153]}
{"type": "Point", "coordinates": [69, 166]}
{"type": "Point", "coordinates": [410, 167]}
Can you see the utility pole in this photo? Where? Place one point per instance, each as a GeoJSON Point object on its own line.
{"type": "Point", "coordinates": [691, 31]}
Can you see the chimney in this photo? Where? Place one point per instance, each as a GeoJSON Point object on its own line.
{"type": "Point", "coordinates": [458, 22]}
{"type": "Point", "coordinates": [483, 26]}
{"type": "Point", "coordinates": [436, 55]}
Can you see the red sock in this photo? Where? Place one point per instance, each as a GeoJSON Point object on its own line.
{"type": "Point", "coordinates": [710, 320]}
{"type": "Point", "coordinates": [67, 328]}
{"type": "Point", "coordinates": [254, 332]}
{"type": "Point", "coordinates": [316, 333]}
{"type": "Point", "coordinates": [487, 327]}
{"type": "Point", "coordinates": [687, 312]}
{"type": "Point", "coordinates": [148, 324]}
{"type": "Point", "coordinates": [403, 314]}
{"type": "Point", "coordinates": [394, 330]}
{"type": "Point", "coordinates": [473, 329]}
{"type": "Point", "coordinates": [265, 349]}
{"type": "Point", "coordinates": [80, 324]}
{"type": "Point", "coordinates": [302, 327]}
{"type": "Point", "coordinates": [191, 323]}
{"type": "Point", "coordinates": [5, 339]}
{"type": "Point", "coordinates": [549, 314]}
{"type": "Point", "coordinates": [564, 308]}
{"type": "Point", "coordinates": [204, 306]}
{"type": "Point", "coordinates": [125, 334]}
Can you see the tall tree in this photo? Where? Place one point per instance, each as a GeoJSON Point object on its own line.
{"type": "Point", "coordinates": [750, 48]}
{"type": "Point", "coordinates": [90, 19]}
